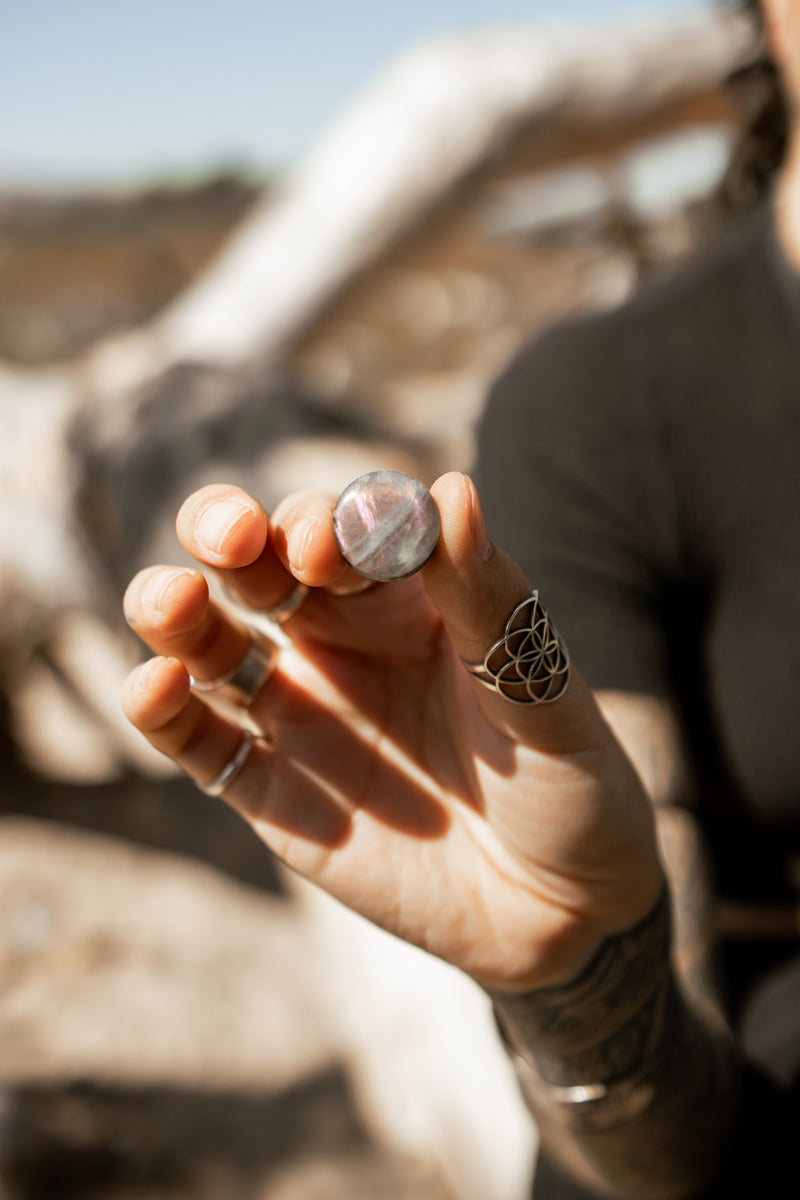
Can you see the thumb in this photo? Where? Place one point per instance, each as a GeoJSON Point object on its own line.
{"type": "Point", "coordinates": [476, 586]}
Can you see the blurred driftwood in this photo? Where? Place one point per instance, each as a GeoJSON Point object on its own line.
{"type": "Point", "coordinates": [276, 341]}
{"type": "Point", "coordinates": [421, 156]}
{"type": "Point", "coordinates": [445, 115]}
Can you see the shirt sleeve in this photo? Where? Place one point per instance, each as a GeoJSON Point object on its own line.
{"type": "Point", "coordinates": [572, 470]}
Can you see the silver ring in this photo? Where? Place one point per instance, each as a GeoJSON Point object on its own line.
{"type": "Point", "coordinates": [277, 615]}
{"type": "Point", "coordinates": [280, 613]}
{"type": "Point", "coordinates": [243, 683]}
{"type": "Point", "coordinates": [231, 769]}
{"type": "Point", "coordinates": [529, 664]}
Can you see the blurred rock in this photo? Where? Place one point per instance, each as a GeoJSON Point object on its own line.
{"type": "Point", "coordinates": [162, 969]}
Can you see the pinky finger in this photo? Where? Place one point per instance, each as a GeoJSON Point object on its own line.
{"type": "Point", "coordinates": [298, 818]}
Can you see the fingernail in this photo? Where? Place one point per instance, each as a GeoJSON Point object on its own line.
{"type": "Point", "coordinates": [157, 585]}
{"type": "Point", "coordinates": [477, 524]}
{"type": "Point", "coordinates": [297, 542]}
{"type": "Point", "coordinates": [141, 676]}
{"type": "Point", "coordinates": [215, 524]}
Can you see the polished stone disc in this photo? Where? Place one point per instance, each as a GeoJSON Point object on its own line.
{"type": "Point", "coordinates": [386, 525]}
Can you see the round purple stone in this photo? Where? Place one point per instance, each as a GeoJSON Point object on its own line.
{"type": "Point", "coordinates": [386, 525]}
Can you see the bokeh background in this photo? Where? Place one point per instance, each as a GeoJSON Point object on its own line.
{"type": "Point", "coordinates": [281, 245]}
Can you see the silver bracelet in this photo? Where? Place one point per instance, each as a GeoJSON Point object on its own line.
{"type": "Point", "coordinates": [630, 975]}
{"type": "Point", "coordinates": [594, 1107]}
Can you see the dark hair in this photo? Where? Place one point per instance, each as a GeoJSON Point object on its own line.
{"type": "Point", "coordinates": [758, 92]}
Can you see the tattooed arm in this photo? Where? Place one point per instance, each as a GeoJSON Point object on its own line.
{"type": "Point", "coordinates": [629, 1069]}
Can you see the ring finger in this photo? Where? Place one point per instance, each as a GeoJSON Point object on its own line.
{"type": "Point", "coordinates": [170, 609]}
{"type": "Point", "coordinates": [297, 820]}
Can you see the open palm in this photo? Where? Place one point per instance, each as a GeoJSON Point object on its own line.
{"type": "Point", "coordinates": [508, 840]}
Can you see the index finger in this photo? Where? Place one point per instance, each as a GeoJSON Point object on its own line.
{"type": "Point", "coordinates": [225, 528]}
{"type": "Point", "coordinates": [259, 559]}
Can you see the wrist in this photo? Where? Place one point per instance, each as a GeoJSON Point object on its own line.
{"type": "Point", "coordinates": [569, 945]}
{"type": "Point", "coordinates": [595, 1045]}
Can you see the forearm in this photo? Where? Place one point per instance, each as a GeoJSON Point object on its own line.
{"type": "Point", "coordinates": [633, 1084]}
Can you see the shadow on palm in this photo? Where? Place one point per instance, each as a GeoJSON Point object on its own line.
{"type": "Point", "coordinates": [357, 737]}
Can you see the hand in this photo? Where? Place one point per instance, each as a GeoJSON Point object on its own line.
{"type": "Point", "coordinates": [509, 840]}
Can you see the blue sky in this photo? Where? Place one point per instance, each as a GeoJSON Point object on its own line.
{"type": "Point", "coordinates": [113, 91]}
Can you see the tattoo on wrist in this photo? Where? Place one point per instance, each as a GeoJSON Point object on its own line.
{"type": "Point", "coordinates": [607, 1020]}
{"type": "Point", "coordinates": [595, 1044]}
{"type": "Point", "coordinates": [632, 1077]}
